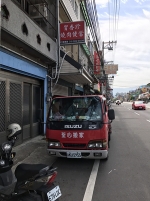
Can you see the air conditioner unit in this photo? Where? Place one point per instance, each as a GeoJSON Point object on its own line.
{"type": "Point", "coordinates": [37, 11]}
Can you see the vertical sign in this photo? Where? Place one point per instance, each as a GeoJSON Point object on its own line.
{"type": "Point", "coordinates": [72, 33]}
{"type": "Point", "coordinates": [96, 63]}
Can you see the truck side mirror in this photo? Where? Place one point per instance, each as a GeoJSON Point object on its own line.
{"type": "Point", "coordinates": [111, 114]}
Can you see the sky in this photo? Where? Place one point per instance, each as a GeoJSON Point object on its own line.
{"type": "Point", "coordinates": [131, 29]}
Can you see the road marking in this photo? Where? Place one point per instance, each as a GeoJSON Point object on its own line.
{"type": "Point", "coordinates": [129, 109]}
{"type": "Point", "coordinates": [91, 183]}
{"type": "Point", "coordinates": [148, 120]}
{"type": "Point", "coordinates": [110, 172]}
{"type": "Point", "coordinates": [136, 113]}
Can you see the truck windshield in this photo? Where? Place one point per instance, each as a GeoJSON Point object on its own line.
{"type": "Point", "coordinates": [75, 109]}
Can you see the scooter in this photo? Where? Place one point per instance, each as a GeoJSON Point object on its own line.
{"type": "Point", "coordinates": [30, 182]}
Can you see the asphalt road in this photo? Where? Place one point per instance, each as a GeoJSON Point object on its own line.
{"type": "Point", "coordinates": [126, 174]}
{"type": "Point", "coordinates": [124, 177]}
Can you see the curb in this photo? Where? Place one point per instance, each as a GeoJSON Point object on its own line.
{"type": "Point", "coordinates": [33, 151]}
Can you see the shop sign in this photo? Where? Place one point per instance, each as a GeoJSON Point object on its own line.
{"type": "Point", "coordinates": [112, 67]}
{"type": "Point", "coordinates": [72, 33]}
{"type": "Point", "coordinates": [96, 63]}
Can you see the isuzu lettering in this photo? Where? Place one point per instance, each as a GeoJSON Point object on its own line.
{"type": "Point", "coordinates": [79, 127]}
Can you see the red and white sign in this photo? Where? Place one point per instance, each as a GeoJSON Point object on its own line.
{"type": "Point", "coordinates": [72, 32]}
{"type": "Point", "coordinates": [72, 135]}
{"type": "Point", "coordinates": [97, 63]}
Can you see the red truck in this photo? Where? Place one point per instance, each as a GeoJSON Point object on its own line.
{"type": "Point", "coordinates": [79, 127]}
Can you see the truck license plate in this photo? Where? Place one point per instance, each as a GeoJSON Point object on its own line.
{"type": "Point", "coordinates": [54, 194]}
{"type": "Point", "coordinates": [73, 154]}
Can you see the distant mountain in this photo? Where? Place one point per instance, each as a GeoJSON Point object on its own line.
{"type": "Point", "coordinates": [122, 90]}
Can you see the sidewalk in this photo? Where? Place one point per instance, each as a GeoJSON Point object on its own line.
{"type": "Point", "coordinates": [33, 151]}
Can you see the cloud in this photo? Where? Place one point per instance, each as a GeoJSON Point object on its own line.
{"type": "Point", "coordinates": [132, 50]}
{"type": "Point", "coordinates": [140, 1]}
{"type": "Point", "coordinates": [146, 13]}
{"type": "Point", "coordinates": [102, 3]}
{"type": "Point", "coordinates": [124, 1]}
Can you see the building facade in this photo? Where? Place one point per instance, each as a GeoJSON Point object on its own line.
{"type": "Point", "coordinates": [78, 64]}
{"type": "Point", "coordinates": [28, 50]}
{"type": "Point", "coordinates": [34, 66]}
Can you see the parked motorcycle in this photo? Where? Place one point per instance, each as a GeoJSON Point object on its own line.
{"type": "Point", "coordinates": [30, 182]}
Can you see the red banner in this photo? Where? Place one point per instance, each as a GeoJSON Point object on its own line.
{"type": "Point", "coordinates": [72, 32]}
{"type": "Point", "coordinates": [97, 63]}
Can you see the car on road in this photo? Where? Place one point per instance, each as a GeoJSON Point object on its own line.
{"type": "Point", "coordinates": [138, 105]}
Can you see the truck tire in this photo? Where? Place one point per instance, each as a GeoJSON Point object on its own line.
{"type": "Point", "coordinates": [109, 136]}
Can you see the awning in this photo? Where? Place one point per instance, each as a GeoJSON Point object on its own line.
{"type": "Point", "coordinates": [79, 78]}
{"type": "Point", "coordinates": [73, 72]}
{"type": "Point", "coordinates": [70, 60]}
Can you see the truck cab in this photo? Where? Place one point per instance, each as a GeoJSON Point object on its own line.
{"type": "Point", "coordinates": [79, 127]}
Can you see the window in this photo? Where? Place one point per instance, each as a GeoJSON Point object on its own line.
{"type": "Point", "coordinates": [5, 12]}
{"type": "Point", "coordinates": [24, 4]}
{"type": "Point", "coordinates": [76, 109]}
{"type": "Point", "coordinates": [19, 1]}
{"type": "Point", "coordinates": [42, 12]}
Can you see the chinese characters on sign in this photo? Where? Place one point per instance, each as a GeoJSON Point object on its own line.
{"type": "Point", "coordinates": [72, 32]}
{"type": "Point", "coordinates": [72, 135]}
{"type": "Point", "coordinates": [96, 63]}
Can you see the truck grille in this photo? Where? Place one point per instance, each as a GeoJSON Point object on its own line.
{"type": "Point", "coordinates": [74, 145]}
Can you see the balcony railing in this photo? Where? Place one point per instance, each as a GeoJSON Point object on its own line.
{"type": "Point", "coordinates": [43, 13]}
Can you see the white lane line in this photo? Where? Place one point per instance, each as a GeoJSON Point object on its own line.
{"type": "Point", "coordinates": [148, 120]}
{"type": "Point", "coordinates": [136, 113]}
{"type": "Point", "coordinates": [91, 183]}
{"type": "Point", "coordinates": [129, 109]}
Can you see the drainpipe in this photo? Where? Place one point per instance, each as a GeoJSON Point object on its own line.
{"type": "Point", "coordinates": [57, 52]}
{"type": "Point", "coordinates": [49, 78]}
{"type": "Point", "coordinates": [58, 34]}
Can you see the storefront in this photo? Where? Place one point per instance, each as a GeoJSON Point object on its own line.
{"type": "Point", "coordinates": [23, 86]}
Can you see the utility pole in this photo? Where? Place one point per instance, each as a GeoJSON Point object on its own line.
{"type": "Point", "coordinates": [109, 46]}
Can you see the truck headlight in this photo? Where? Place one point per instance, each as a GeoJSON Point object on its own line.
{"type": "Point", "coordinates": [95, 145]}
{"type": "Point", "coordinates": [54, 144]}
{"type": "Point", "coordinates": [98, 144]}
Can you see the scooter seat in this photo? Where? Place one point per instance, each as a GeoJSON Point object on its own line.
{"type": "Point", "coordinates": [26, 171]}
